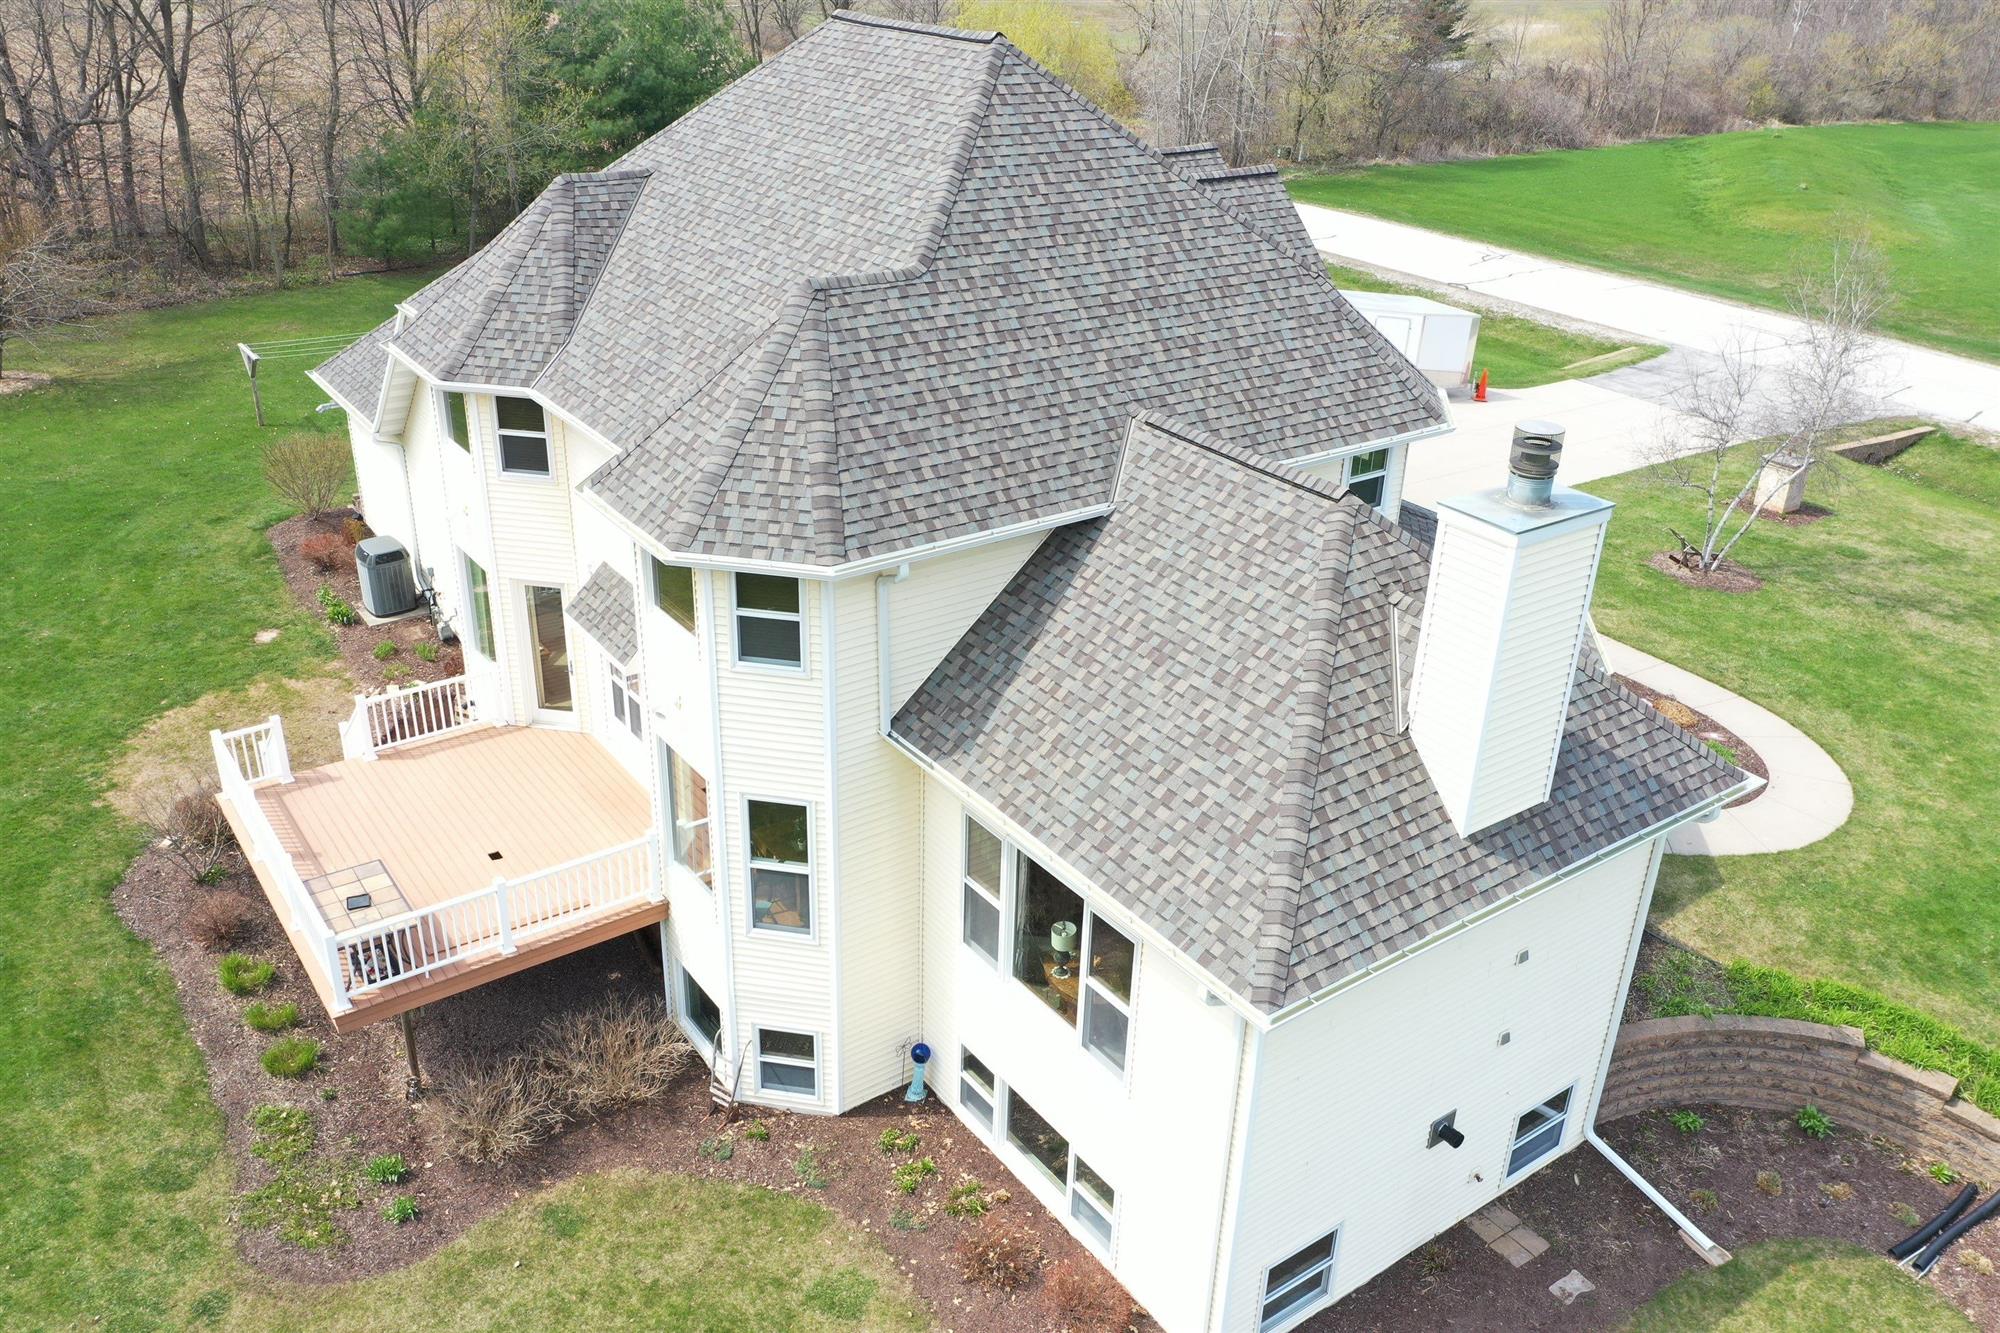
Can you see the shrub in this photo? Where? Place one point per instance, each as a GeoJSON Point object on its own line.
{"type": "Point", "coordinates": [910, 1176]}
{"type": "Point", "coordinates": [489, 1112]}
{"type": "Point", "coordinates": [1771, 1183]}
{"type": "Point", "coordinates": [757, 1132]}
{"type": "Point", "coordinates": [1942, 1172]}
{"type": "Point", "coordinates": [1814, 1122]}
{"type": "Point", "coordinates": [272, 1017]}
{"type": "Point", "coordinates": [338, 612]}
{"type": "Point", "coordinates": [997, 1253]}
{"type": "Point", "coordinates": [386, 650]}
{"type": "Point", "coordinates": [808, 1169]}
{"type": "Point", "coordinates": [241, 974]}
{"type": "Point", "coordinates": [308, 469]}
{"type": "Point", "coordinates": [354, 531]}
{"type": "Point", "coordinates": [188, 826]}
{"type": "Point", "coordinates": [218, 920]}
{"type": "Point", "coordinates": [386, 1169]}
{"type": "Point", "coordinates": [1704, 1201]}
{"type": "Point", "coordinates": [612, 1054]}
{"type": "Point", "coordinates": [427, 651]}
{"type": "Point", "coordinates": [1087, 1300]}
{"type": "Point", "coordinates": [895, 1140]}
{"type": "Point", "coordinates": [294, 1057]}
{"type": "Point", "coordinates": [966, 1199]}
{"type": "Point", "coordinates": [324, 551]}
{"type": "Point", "coordinates": [1687, 1122]}
{"type": "Point", "coordinates": [1837, 1190]}
{"type": "Point", "coordinates": [281, 1134]}
{"type": "Point", "coordinates": [400, 1209]}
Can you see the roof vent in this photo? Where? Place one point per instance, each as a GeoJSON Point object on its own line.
{"type": "Point", "coordinates": [1531, 463]}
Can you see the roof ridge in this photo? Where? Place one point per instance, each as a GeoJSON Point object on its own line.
{"type": "Point", "coordinates": [921, 29]}
{"type": "Point", "coordinates": [489, 300]}
{"type": "Point", "coordinates": [1277, 930]}
{"type": "Point", "coordinates": [644, 176]}
{"type": "Point", "coordinates": [721, 453]}
{"type": "Point", "coordinates": [1187, 148]}
{"type": "Point", "coordinates": [1288, 473]}
{"type": "Point", "coordinates": [829, 516]}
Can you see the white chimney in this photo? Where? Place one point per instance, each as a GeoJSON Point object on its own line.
{"type": "Point", "coordinates": [1504, 619]}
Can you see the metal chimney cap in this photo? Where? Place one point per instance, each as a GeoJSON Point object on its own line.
{"type": "Point", "coordinates": [1537, 449]}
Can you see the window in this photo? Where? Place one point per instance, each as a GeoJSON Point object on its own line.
{"type": "Point", "coordinates": [453, 420]}
{"type": "Point", "coordinates": [982, 890]}
{"type": "Point", "coordinates": [699, 1014]}
{"type": "Point", "coordinates": [673, 591]}
{"type": "Point", "coordinates": [481, 608]}
{"type": "Point", "coordinates": [524, 437]}
{"type": "Point", "coordinates": [625, 700]}
{"type": "Point", "coordinates": [976, 1089]}
{"type": "Point", "coordinates": [687, 816]}
{"type": "Point", "coordinates": [1107, 992]}
{"type": "Point", "coordinates": [787, 1062]}
{"type": "Point", "coordinates": [780, 866]}
{"type": "Point", "coordinates": [1538, 1132]}
{"type": "Point", "coordinates": [1291, 1286]}
{"type": "Point", "coordinates": [1090, 1196]}
{"type": "Point", "coordinates": [769, 628]}
{"type": "Point", "coordinates": [1367, 474]}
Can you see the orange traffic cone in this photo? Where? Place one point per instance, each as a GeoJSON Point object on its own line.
{"type": "Point", "coordinates": [1479, 391]}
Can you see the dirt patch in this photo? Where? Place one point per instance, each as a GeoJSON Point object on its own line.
{"type": "Point", "coordinates": [1597, 1223]}
{"type": "Point", "coordinates": [22, 381]}
{"type": "Point", "coordinates": [357, 1097]}
{"type": "Point", "coordinates": [173, 747]}
{"type": "Point", "coordinates": [1739, 751]}
{"type": "Point", "coordinates": [359, 643]}
{"type": "Point", "coordinates": [1729, 577]}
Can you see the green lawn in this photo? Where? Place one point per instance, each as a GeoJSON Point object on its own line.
{"type": "Point", "coordinates": [131, 526]}
{"type": "Point", "coordinates": [1519, 353]}
{"type": "Point", "coordinates": [1799, 1286]}
{"type": "Point", "coordinates": [1877, 633]}
{"type": "Point", "coordinates": [1726, 213]}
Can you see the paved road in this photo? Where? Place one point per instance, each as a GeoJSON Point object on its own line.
{"type": "Point", "coordinates": [1613, 418]}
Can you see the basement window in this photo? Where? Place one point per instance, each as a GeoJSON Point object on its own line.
{"type": "Point", "coordinates": [770, 627]}
{"type": "Point", "coordinates": [1367, 474]}
{"type": "Point", "coordinates": [1298, 1282]}
{"type": "Point", "coordinates": [700, 1015]}
{"type": "Point", "coordinates": [1091, 1198]}
{"type": "Point", "coordinates": [1539, 1132]}
{"type": "Point", "coordinates": [978, 1093]}
{"type": "Point", "coordinates": [524, 437]}
{"type": "Point", "coordinates": [787, 1063]}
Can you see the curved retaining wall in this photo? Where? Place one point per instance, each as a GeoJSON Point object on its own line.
{"type": "Point", "coordinates": [1778, 1064]}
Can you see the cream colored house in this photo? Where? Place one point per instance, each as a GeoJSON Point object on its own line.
{"type": "Point", "coordinates": [936, 560]}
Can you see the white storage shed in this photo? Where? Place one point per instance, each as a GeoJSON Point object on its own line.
{"type": "Point", "coordinates": [1439, 339]}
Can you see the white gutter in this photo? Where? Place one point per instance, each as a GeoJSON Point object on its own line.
{"type": "Point", "coordinates": [1696, 1237]}
{"type": "Point", "coordinates": [1444, 427]}
{"type": "Point", "coordinates": [885, 694]}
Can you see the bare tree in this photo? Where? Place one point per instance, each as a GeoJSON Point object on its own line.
{"type": "Point", "coordinates": [168, 30]}
{"type": "Point", "coordinates": [41, 286]}
{"type": "Point", "coordinates": [1788, 414]}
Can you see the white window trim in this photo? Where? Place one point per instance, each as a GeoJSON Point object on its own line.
{"type": "Point", "coordinates": [1011, 881]}
{"type": "Point", "coordinates": [736, 613]}
{"type": "Point", "coordinates": [653, 567]}
{"type": "Point", "coordinates": [990, 1089]}
{"type": "Point", "coordinates": [757, 1032]}
{"type": "Point", "coordinates": [1349, 476]}
{"type": "Point", "coordinates": [810, 932]}
{"type": "Point", "coordinates": [1030, 1170]}
{"type": "Point", "coordinates": [969, 885]}
{"type": "Point", "coordinates": [1515, 1140]}
{"type": "Point", "coordinates": [500, 445]}
{"type": "Point", "coordinates": [441, 412]}
{"type": "Point", "coordinates": [673, 818]}
{"type": "Point", "coordinates": [684, 979]}
{"type": "Point", "coordinates": [1299, 1313]}
{"type": "Point", "coordinates": [1091, 985]}
{"type": "Point", "coordinates": [466, 564]}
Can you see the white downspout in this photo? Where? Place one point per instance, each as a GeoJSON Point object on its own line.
{"type": "Point", "coordinates": [883, 684]}
{"type": "Point", "coordinates": [1696, 1238]}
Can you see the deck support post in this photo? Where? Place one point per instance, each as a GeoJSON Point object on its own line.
{"type": "Point", "coordinates": [416, 1083]}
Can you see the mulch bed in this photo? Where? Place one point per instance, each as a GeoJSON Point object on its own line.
{"type": "Point", "coordinates": [1728, 577]}
{"type": "Point", "coordinates": [358, 642]}
{"type": "Point", "coordinates": [1597, 1223]}
{"type": "Point", "coordinates": [358, 1098]}
{"type": "Point", "coordinates": [1806, 513]}
{"type": "Point", "coordinates": [1708, 729]}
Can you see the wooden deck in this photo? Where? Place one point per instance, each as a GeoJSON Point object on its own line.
{"type": "Point", "coordinates": [444, 818]}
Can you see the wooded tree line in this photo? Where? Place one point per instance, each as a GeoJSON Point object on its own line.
{"type": "Point", "coordinates": [1355, 80]}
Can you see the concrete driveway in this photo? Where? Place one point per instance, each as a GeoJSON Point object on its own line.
{"type": "Point", "coordinates": [1613, 418]}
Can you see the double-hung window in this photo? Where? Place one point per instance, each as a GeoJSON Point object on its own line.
{"type": "Point", "coordinates": [1107, 991]}
{"type": "Point", "coordinates": [1073, 960]}
{"type": "Point", "coordinates": [1091, 1199]}
{"type": "Point", "coordinates": [1367, 474]}
{"type": "Point", "coordinates": [1297, 1282]}
{"type": "Point", "coordinates": [983, 860]}
{"type": "Point", "coordinates": [1539, 1132]}
{"type": "Point", "coordinates": [625, 704]}
{"type": "Point", "coordinates": [479, 607]}
{"type": "Point", "coordinates": [454, 420]}
{"type": "Point", "coordinates": [673, 591]}
{"type": "Point", "coordinates": [787, 1062]}
{"type": "Point", "coordinates": [687, 816]}
{"type": "Point", "coordinates": [524, 437]}
{"type": "Point", "coordinates": [780, 866]}
{"type": "Point", "coordinates": [978, 1093]}
{"type": "Point", "coordinates": [770, 627]}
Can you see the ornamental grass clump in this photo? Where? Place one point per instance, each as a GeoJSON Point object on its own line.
{"type": "Point", "coordinates": [491, 1111]}
{"type": "Point", "coordinates": [997, 1253]}
{"type": "Point", "coordinates": [294, 1057]}
{"type": "Point", "coordinates": [241, 974]}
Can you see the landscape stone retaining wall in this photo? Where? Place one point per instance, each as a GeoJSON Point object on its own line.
{"type": "Point", "coordinates": [1879, 449]}
{"type": "Point", "coordinates": [1779, 1064]}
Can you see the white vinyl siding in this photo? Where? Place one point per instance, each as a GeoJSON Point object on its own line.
{"type": "Point", "coordinates": [1343, 1072]}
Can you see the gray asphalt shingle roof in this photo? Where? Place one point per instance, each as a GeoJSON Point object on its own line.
{"type": "Point", "coordinates": [898, 285]}
{"type": "Point", "coordinates": [605, 610]}
{"type": "Point", "coordinates": [1191, 700]}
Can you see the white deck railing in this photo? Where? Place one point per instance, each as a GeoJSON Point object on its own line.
{"type": "Point", "coordinates": [243, 759]}
{"type": "Point", "coordinates": [496, 920]}
{"type": "Point", "coordinates": [424, 711]}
